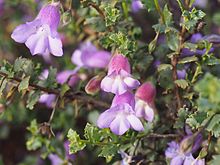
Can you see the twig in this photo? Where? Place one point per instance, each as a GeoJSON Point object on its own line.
{"type": "Point", "coordinates": [155, 135]}
{"type": "Point", "coordinates": [53, 111]}
{"type": "Point", "coordinates": [92, 4]}
{"type": "Point", "coordinates": [159, 11]}
{"type": "Point", "coordinates": [69, 95]}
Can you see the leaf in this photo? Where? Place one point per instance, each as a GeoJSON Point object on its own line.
{"type": "Point", "coordinates": [108, 152]}
{"type": "Point", "coordinates": [23, 65]}
{"type": "Point", "coordinates": [182, 83]}
{"type": "Point", "coordinates": [168, 16]}
{"type": "Point", "coordinates": [152, 44]}
{"type": "Point", "coordinates": [64, 89]}
{"type": "Point", "coordinates": [195, 120]}
{"type": "Point", "coordinates": [172, 38]}
{"type": "Point", "coordinates": [111, 15]}
{"type": "Point", "coordinates": [33, 98]}
{"type": "Point", "coordinates": [24, 84]}
{"type": "Point", "coordinates": [215, 160]}
{"type": "Point", "coordinates": [76, 144]}
{"type": "Point", "coordinates": [162, 67]}
{"type": "Point", "coordinates": [93, 134]}
{"type": "Point", "coordinates": [214, 126]}
{"type": "Point", "coordinates": [150, 5]}
{"type": "Point", "coordinates": [188, 60]}
{"type": "Point", "coordinates": [182, 115]}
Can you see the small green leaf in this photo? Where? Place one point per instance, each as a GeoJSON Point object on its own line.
{"type": "Point", "coordinates": [163, 67]}
{"type": "Point", "coordinates": [215, 160]}
{"type": "Point", "coordinates": [109, 152]}
{"type": "Point", "coordinates": [24, 84]}
{"type": "Point", "coordinates": [188, 59]}
{"type": "Point", "coordinates": [111, 15]}
{"type": "Point", "coordinates": [33, 98]}
{"type": "Point", "coordinates": [76, 144]}
{"type": "Point", "coordinates": [182, 83]}
{"type": "Point", "coordinates": [64, 89]}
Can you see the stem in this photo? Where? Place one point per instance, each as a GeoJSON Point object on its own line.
{"type": "Point", "coordinates": [53, 111]}
{"type": "Point", "coordinates": [159, 11]}
{"type": "Point", "coordinates": [69, 95]}
{"type": "Point", "coordinates": [96, 7]}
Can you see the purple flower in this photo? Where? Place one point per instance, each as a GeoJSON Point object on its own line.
{"type": "Point", "coordinates": [181, 74]}
{"type": "Point", "coordinates": [121, 116]}
{"type": "Point", "coordinates": [68, 76]}
{"type": "Point", "coordinates": [182, 154]}
{"type": "Point", "coordinates": [119, 78]}
{"type": "Point", "coordinates": [201, 3]}
{"type": "Point", "coordinates": [55, 159]}
{"type": "Point", "coordinates": [41, 35]}
{"type": "Point", "coordinates": [194, 39]}
{"type": "Point", "coordinates": [48, 99]}
{"type": "Point", "coordinates": [136, 5]}
{"type": "Point", "coordinates": [144, 96]}
{"type": "Point", "coordinates": [89, 57]}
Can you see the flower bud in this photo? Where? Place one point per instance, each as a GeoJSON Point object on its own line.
{"type": "Point", "coordinates": [93, 86]}
{"type": "Point", "coordinates": [191, 143]}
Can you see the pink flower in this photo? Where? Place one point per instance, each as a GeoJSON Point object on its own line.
{"type": "Point", "coordinates": [144, 97]}
{"type": "Point", "coordinates": [119, 78]}
{"type": "Point", "coordinates": [89, 57]}
{"type": "Point", "coordinates": [41, 35]}
{"type": "Point", "coordinates": [121, 116]}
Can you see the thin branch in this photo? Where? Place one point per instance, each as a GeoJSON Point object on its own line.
{"type": "Point", "coordinates": [69, 95]}
{"type": "Point", "coordinates": [53, 111]}
{"type": "Point", "coordinates": [155, 135]}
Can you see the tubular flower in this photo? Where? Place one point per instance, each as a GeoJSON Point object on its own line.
{"type": "Point", "coordinates": [89, 57]}
{"type": "Point", "coordinates": [181, 154]}
{"type": "Point", "coordinates": [69, 77]}
{"type": "Point", "coordinates": [121, 116]}
{"type": "Point", "coordinates": [144, 96]}
{"type": "Point", "coordinates": [119, 78]}
{"type": "Point", "coordinates": [41, 35]}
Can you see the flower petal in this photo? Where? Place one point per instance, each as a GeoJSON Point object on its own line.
{"type": "Point", "coordinates": [135, 123]}
{"type": "Point", "coordinates": [24, 31]}
{"type": "Point", "coordinates": [98, 59]}
{"type": "Point", "coordinates": [178, 160]}
{"type": "Point", "coordinates": [55, 46]}
{"type": "Point", "coordinates": [119, 125]}
{"type": "Point", "coordinates": [38, 43]}
{"type": "Point", "coordinates": [149, 113]}
{"type": "Point", "coordinates": [106, 84]}
{"type": "Point", "coordinates": [76, 58]}
{"type": "Point", "coordinates": [106, 118]}
{"type": "Point", "coordinates": [131, 82]}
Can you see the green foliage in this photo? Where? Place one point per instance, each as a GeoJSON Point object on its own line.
{"type": "Point", "coordinates": [191, 18]}
{"type": "Point", "coordinates": [119, 41]}
{"type": "Point", "coordinates": [111, 15]}
{"type": "Point", "coordinates": [24, 84]}
{"type": "Point", "coordinates": [95, 137]}
{"type": "Point", "coordinates": [76, 144]}
{"type": "Point", "coordinates": [182, 83]}
{"type": "Point", "coordinates": [33, 98]}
